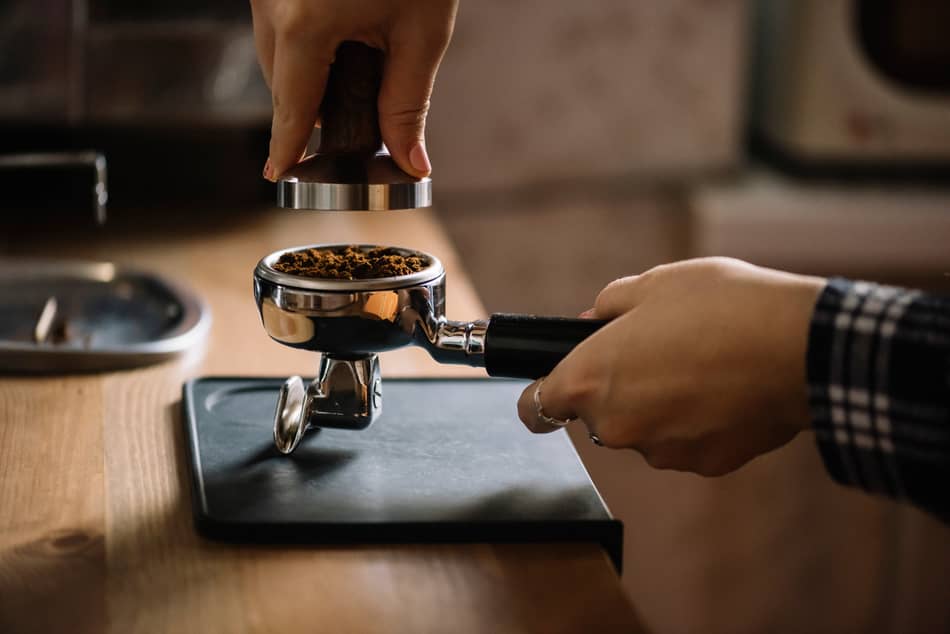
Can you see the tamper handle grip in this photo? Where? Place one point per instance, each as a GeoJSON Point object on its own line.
{"type": "Point", "coordinates": [528, 347]}
{"type": "Point", "coordinates": [349, 115]}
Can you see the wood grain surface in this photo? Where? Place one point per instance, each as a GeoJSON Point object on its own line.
{"type": "Point", "coordinates": [96, 532]}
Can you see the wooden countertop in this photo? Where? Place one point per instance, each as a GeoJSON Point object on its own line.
{"type": "Point", "coordinates": [95, 515]}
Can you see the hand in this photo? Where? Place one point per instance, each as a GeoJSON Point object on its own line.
{"type": "Point", "coordinates": [296, 42]}
{"type": "Point", "coordinates": [702, 367]}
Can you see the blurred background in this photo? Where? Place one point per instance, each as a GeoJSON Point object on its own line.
{"type": "Point", "coordinates": [574, 143]}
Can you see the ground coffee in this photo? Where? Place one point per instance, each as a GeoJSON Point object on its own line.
{"type": "Point", "coordinates": [349, 263]}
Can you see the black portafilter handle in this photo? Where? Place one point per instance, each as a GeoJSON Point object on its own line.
{"type": "Point", "coordinates": [528, 347]}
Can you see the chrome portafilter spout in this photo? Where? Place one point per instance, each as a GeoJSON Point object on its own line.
{"type": "Point", "coordinates": [350, 321]}
{"type": "Point", "coordinates": [347, 393]}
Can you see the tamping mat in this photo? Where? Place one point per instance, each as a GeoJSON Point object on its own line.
{"type": "Point", "coordinates": [447, 461]}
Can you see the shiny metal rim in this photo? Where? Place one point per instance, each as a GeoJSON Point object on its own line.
{"type": "Point", "coordinates": [293, 194]}
{"type": "Point", "coordinates": [266, 271]}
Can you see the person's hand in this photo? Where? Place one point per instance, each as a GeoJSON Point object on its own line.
{"type": "Point", "coordinates": [701, 369]}
{"type": "Point", "coordinates": [296, 42]}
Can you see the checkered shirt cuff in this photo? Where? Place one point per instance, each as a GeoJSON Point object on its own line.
{"type": "Point", "coordinates": [879, 390]}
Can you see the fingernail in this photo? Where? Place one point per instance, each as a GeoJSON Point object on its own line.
{"type": "Point", "coordinates": [418, 158]}
{"type": "Point", "coordinates": [269, 171]}
{"type": "Point", "coordinates": [587, 314]}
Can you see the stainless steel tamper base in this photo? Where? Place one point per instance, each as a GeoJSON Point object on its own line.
{"type": "Point", "coordinates": [347, 394]}
{"type": "Point", "coordinates": [354, 182]}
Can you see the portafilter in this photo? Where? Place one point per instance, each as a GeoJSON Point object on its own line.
{"type": "Point", "coordinates": [350, 321]}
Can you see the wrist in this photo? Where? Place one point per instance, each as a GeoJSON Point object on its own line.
{"type": "Point", "coordinates": [804, 292]}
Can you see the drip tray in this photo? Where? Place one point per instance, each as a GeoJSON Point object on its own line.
{"type": "Point", "coordinates": [80, 316]}
{"type": "Point", "coordinates": [447, 461]}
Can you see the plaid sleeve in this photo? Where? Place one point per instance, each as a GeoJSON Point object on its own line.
{"type": "Point", "coordinates": [879, 390]}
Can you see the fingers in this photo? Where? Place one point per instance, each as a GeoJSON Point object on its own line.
{"type": "Point", "coordinates": [264, 43]}
{"type": "Point", "coordinates": [528, 409]}
{"type": "Point", "coordinates": [300, 68]}
{"type": "Point", "coordinates": [404, 95]}
{"type": "Point", "coordinates": [296, 41]}
{"type": "Point", "coordinates": [619, 297]}
{"type": "Point", "coordinates": [569, 391]}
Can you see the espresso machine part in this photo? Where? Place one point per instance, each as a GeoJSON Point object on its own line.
{"type": "Point", "coordinates": [79, 177]}
{"type": "Point", "coordinates": [352, 169]}
{"type": "Point", "coordinates": [346, 394]}
{"type": "Point", "coordinates": [66, 316]}
{"type": "Point", "coordinates": [350, 321]}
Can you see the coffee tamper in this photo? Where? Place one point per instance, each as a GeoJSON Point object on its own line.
{"type": "Point", "coordinates": [349, 321]}
{"type": "Point", "coordinates": [352, 169]}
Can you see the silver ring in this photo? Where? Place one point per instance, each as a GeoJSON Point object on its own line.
{"type": "Point", "coordinates": [594, 438]}
{"type": "Point", "coordinates": [554, 422]}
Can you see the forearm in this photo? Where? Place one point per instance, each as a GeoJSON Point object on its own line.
{"type": "Point", "coordinates": [879, 390]}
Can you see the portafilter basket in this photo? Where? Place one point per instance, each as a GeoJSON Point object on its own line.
{"type": "Point", "coordinates": [350, 321]}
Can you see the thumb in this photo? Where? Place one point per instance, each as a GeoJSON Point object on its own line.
{"type": "Point", "coordinates": [404, 103]}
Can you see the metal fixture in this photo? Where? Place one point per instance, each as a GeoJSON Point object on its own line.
{"type": "Point", "coordinates": [78, 316]}
{"type": "Point", "coordinates": [94, 161]}
{"type": "Point", "coordinates": [347, 393]}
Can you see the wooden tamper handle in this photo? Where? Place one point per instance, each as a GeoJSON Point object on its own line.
{"type": "Point", "coordinates": [349, 113]}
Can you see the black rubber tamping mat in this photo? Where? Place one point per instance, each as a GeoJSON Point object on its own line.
{"type": "Point", "coordinates": [447, 461]}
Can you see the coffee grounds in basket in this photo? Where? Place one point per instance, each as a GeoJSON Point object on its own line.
{"type": "Point", "coordinates": [349, 263]}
